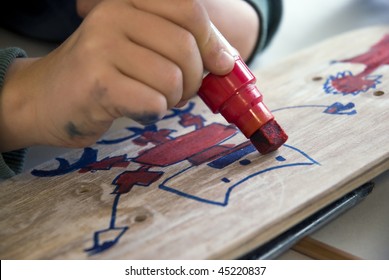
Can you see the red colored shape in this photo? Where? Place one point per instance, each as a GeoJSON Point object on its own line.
{"type": "Point", "coordinates": [208, 154]}
{"type": "Point", "coordinates": [155, 137]}
{"type": "Point", "coordinates": [186, 146]}
{"type": "Point", "coordinates": [142, 177]}
{"type": "Point", "coordinates": [239, 101]}
{"type": "Point", "coordinates": [189, 119]}
{"type": "Point", "coordinates": [106, 164]}
{"type": "Point", "coordinates": [351, 84]}
{"type": "Point", "coordinates": [375, 57]}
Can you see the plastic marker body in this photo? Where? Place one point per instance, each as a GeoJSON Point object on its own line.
{"type": "Point", "coordinates": [236, 97]}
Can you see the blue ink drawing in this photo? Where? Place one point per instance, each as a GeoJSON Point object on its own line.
{"type": "Point", "coordinates": [208, 147]}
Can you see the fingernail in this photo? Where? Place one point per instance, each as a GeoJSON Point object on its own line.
{"type": "Point", "coordinates": [225, 61]}
{"type": "Point", "coordinates": [181, 104]}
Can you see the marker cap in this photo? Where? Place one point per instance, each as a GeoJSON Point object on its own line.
{"type": "Point", "coordinates": [236, 98]}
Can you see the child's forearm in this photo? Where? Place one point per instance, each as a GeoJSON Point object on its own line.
{"type": "Point", "coordinates": [17, 124]}
{"type": "Point", "coordinates": [237, 21]}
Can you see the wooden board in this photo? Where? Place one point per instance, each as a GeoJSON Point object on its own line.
{"type": "Point", "coordinates": [192, 187]}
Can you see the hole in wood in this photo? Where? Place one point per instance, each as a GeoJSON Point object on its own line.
{"type": "Point", "coordinates": [317, 78]}
{"type": "Point", "coordinates": [378, 93]}
{"type": "Point", "coordinates": [140, 218]}
{"type": "Point", "coordinates": [84, 189]}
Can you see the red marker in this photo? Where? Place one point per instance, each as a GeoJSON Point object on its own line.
{"type": "Point", "coordinates": [239, 101]}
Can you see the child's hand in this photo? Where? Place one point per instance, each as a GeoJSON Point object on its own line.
{"type": "Point", "coordinates": [128, 58]}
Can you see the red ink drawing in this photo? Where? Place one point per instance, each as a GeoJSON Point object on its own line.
{"type": "Point", "coordinates": [347, 83]}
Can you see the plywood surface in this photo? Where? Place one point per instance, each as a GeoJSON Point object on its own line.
{"type": "Point", "coordinates": [192, 187]}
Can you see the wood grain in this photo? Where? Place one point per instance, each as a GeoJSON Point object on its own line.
{"type": "Point", "coordinates": [193, 210]}
{"type": "Point", "coordinates": [318, 250]}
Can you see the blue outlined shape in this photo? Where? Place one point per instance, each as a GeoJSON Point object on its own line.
{"type": "Point", "coordinates": [88, 156]}
{"type": "Point", "coordinates": [228, 159]}
{"type": "Point", "coordinates": [99, 243]}
{"type": "Point", "coordinates": [225, 200]}
{"type": "Point", "coordinates": [330, 89]}
{"type": "Point", "coordinates": [138, 131]}
{"type": "Point", "coordinates": [340, 109]}
{"type": "Point", "coordinates": [336, 108]}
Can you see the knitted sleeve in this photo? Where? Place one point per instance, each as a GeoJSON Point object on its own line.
{"type": "Point", "coordinates": [269, 13]}
{"type": "Point", "coordinates": [11, 163]}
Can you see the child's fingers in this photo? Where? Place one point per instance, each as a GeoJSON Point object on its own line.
{"type": "Point", "coordinates": [171, 42]}
{"type": "Point", "coordinates": [191, 15]}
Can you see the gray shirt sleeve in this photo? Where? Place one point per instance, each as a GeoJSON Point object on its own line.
{"type": "Point", "coordinates": [269, 13]}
